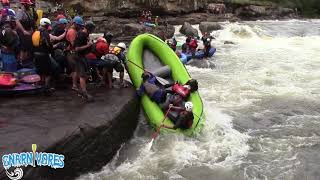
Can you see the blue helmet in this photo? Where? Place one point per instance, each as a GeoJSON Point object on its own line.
{"type": "Point", "coordinates": [63, 21]}
{"type": "Point", "coordinates": [78, 20]}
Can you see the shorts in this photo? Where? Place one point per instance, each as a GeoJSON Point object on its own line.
{"type": "Point", "coordinates": [44, 65]}
{"type": "Point", "coordinates": [81, 67]}
{"type": "Point", "coordinates": [99, 63]}
{"type": "Point", "coordinates": [25, 42]}
{"type": "Point", "coordinates": [118, 66]}
{"type": "Point", "coordinates": [71, 58]}
{"type": "Point", "coordinates": [9, 62]}
{"type": "Point", "coordinates": [159, 96]}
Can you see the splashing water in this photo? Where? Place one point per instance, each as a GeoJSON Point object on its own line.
{"type": "Point", "coordinates": [262, 112]}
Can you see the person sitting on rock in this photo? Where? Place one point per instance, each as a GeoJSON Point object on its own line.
{"type": "Point", "coordinates": [181, 116]}
{"type": "Point", "coordinates": [206, 39]}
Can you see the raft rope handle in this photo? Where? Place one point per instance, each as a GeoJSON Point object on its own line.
{"type": "Point", "coordinates": [155, 134]}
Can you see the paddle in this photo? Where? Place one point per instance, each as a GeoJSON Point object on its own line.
{"type": "Point", "coordinates": [34, 149]}
{"type": "Point", "coordinates": [155, 134]}
{"type": "Point", "coordinates": [160, 79]}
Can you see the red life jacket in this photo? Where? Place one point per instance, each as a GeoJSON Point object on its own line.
{"type": "Point", "coordinates": [181, 90]}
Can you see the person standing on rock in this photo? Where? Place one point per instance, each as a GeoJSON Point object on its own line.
{"type": "Point", "coordinates": [25, 25]}
{"type": "Point", "coordinates": [77, 26]}
{"type": "Point", "coordinates": [82, 45]}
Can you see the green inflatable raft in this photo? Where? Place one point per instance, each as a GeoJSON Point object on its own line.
{"type": "Point", "coordinates": [151, 53]}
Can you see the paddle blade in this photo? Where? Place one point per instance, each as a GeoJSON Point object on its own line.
{"type": "Point", "coordinates": [34, 147]}
{"type": "Point", "coordinates": [149, 145]}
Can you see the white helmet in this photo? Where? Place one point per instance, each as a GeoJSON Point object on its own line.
{"type": "Point", "coordinates": [189, 106]}
{"type": "Point", "coordinates": [45, 21]}
{"type": "Point", "coordinates": [122, 45]}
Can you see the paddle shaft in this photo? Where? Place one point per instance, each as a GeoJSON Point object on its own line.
{"type": "Point", "coordinates": [155, 135]}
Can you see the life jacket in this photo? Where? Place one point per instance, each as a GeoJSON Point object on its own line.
{"type": "Point", "coordinates": [115, 50]}
{"type": "Point", "coordinates": [181, 90]}
{"type": "Point", "coordinates": [193, 44]}
{"type": "Point", "coordinates": [36, 38]}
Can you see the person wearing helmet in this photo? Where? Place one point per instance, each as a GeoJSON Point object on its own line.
{"type": "Point", "coordinates": [206, 39]}
{"type": "Point", "coordinates": [94, 57]}
{"type": "Point", "coordinates": [26, 24]}
{"type": "Point", "coordinates": [108, 36]}
{"type": "Point", "coordinates": [82, 46]}
{"type": "Point", "coordinates": [118, 60]}
{"type": "Point", "coordinates": [9, 42]}
{"type": "Point", "coordinates": [42, 50]}
{"type": "Point", "coordinates": [182, 117]}
{"type": "Point", "coordinates": [77, 26]}
{"type": "Point", "coordinates": [153, 88]}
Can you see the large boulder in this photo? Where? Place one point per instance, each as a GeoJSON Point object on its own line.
{"type": "Point", "coordinates": [209, 26]}
{"type": "Point", "coordinates": [129, 8]}
{"type": "Point", "coordinates": [251, 11]}
{"type": "Point", "coordinates": [83, 132]}
{"type": "Point", "coordinates": [126, 30]}
{"type": "Point", "coordinates": [187, 29]}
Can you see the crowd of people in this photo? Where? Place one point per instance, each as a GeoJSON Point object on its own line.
{"type": "Point", "coordinates": [62, 48]}
{"type": "Point", "coordinates": [191, 44]}
{"type": "Point", "coordinates": [57, 49]}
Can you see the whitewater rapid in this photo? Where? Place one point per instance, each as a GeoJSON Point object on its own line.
{"type": "Point", "coordinates": [262, 112]}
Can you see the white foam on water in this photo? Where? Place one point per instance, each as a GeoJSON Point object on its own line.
{"type": "Point", "coordinates": [256, 67]}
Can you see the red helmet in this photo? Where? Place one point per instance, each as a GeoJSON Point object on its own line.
{"type": "Point", "coordinates": [60, 16]}
{"type": "Point", "coordinates": [5, 1]}
{"type": "Point", "coordinates": [26, 2]}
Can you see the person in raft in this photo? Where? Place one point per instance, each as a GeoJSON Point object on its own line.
{"type": "Point", "coordinates": [206, 39]}
{"type": "Point", "coordinates": [182, 118]}
{"type": "Point", "coordinates": [158, 92]}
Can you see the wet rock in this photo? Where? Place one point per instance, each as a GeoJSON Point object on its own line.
{"type": "Point", "coordinates": [209, 27]}
{"type": "Point", "coordinates": [228, 42]}
{"type": "Point", "coordinates": [202, 63]}
{"type": "Point", "coordinates": [187, 30]}
{"type": "Point", "coordinates": [88, 135]}
{"type": "Point", "coordinates": [127, 29]}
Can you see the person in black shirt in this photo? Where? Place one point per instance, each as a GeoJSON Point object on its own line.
{"type": "Point", "coordinates": [206, 39]}
{"type": "Point", "coordinates": [82, 46]}
{"type": "Point", "coordinates": [42, 50]}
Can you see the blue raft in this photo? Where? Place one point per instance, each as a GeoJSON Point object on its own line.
{"type": "Point", "coordinates": [198, 55]}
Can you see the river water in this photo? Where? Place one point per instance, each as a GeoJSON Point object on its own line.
{"type": "Point", "coordinates": [262, 105]}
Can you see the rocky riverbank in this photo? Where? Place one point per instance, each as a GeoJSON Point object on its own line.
{"type": "Point", "coordinates": [122, 17]}
{"type": "Point", "coordinates": [88, 135]}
